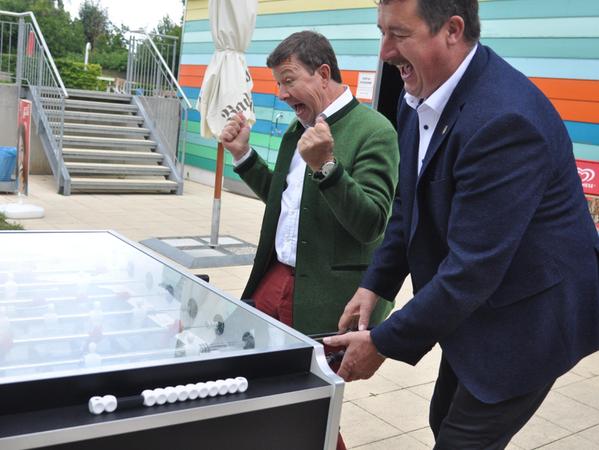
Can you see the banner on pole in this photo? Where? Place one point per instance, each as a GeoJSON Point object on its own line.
{"type": "Point", "coordinates": [23, 146]}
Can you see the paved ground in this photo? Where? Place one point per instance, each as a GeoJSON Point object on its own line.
{"type": "Point", "coordinates": [387, 412]}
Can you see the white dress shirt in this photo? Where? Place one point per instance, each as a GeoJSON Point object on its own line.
{"type": "Point", "coordinates": [430, 109]}
{"type": "Point", "coordinates": [288, 226]}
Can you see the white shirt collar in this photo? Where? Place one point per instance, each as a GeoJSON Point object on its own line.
{"type": "Point", "coordinates": [438, 99]}
{"type": "Point", "coordinates": [344, 99]}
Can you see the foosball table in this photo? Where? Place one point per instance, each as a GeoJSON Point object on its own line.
{"type": "Point", "coordinates": [104, 344]}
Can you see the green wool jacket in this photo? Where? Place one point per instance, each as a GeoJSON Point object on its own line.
{"type": "Point", "coordinates": [342, 218]}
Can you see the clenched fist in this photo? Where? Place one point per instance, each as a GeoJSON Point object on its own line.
{"type": "Point", "coordinates": [316, 145]}
{"type": "Point", "coordinates": [235, 137]}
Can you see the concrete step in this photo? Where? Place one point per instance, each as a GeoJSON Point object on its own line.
{"type": "Point", "coordinates": [90, 117]}
{"type": "Point", "coordinates": [87, 154]}
{"type": "Point", "coordinates": [121, 185]}
{"type": "Point", "coordinates": [104, 142]}
{"type": "Point", "coordinates": [98, 95]}
{"type": "Point", "coordinates": [91, 105]}
{"type": "Point", "coordinates": [103, 130]}
{"type": "Point", "coordinates": [116, 169]}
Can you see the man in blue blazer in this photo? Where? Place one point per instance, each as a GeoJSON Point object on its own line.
{"type": "Point", "coordinates": [492, 225]}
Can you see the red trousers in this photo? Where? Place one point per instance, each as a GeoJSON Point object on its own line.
{"type": "Point", "coordinates": [274, 296]}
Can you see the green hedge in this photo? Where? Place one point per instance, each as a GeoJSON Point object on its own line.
{"type": "Point", "coordinates": [76, 75]}
{"type": "Point", "coordinates": [115, 61]}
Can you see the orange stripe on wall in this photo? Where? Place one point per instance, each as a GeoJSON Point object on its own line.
{"type": "Point", "coordinates": [564, 89]}
{"type": "Point", "coordinates": [189, 81]}
{"type": "Point", "coordinates": [192, 69]}
{"type": "Point", "coordinates": [577, 111]}
{"type": "Point", "coordinates": [575, 100]}
{"type": "Point", "coordinates": [264, 83]}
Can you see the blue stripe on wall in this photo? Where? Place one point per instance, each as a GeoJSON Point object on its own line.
{"type": "Point", "coordinates": [268, 101]}
{"type": "Point", "coordinates": [578, 69]}
{"type": "Point", "coordinates": [346, 62]}
{"type": "Point", "coordinates": [340, 46]}
{"type": "Point", "coordinates": [191, 92]}
{"type": "Point", "coordinates": [584, 133]}
{"type": "Point", "coordinates": [194, 115]}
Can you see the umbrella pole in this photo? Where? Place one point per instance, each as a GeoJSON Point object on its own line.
{"type": "Point", "coordinates": [218, 185]}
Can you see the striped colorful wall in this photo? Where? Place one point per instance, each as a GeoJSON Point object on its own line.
{"type": "Point", "coordinates": [349, 24]}
{"type": "Point", "coordinates": [554, 42]}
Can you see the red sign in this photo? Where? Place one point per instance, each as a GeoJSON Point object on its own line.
{"type": "Point", "coordinates": [30, 43]}
{"type": "Point", "coordinates": [588, 171]}
{"type": "Point", "coordinates": [24, 136]}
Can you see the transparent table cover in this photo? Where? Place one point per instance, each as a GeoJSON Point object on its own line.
{"type": "Point", "coordinates": [73, 302]}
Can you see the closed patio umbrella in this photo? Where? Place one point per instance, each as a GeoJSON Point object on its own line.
{"type": "Point", "coordinates": [227, 85]}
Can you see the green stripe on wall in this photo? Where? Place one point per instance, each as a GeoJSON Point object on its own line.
{"type": "Point", "coordinates": [340, 16]}
{"type": "Point", "coordinates": [358, 32]}
{"type": "Point", "coordinates": [210, 165]}
{"type": "Point", "coordinates": [578, 48]}
{"type": "Point", "coordinates": [193, 127]}
{"type": "Point", "coordinates": [265, 140]}
{"type": "Point", "coordinates": [506, 9]}
{"type": "Point", "coordinates": [586, 151]}
{"type": "Point", "coordinates": [584, 27]}
{"type": "Point", "coordinates": [264, 113]}
{"type": "Point", "coordinates": [257, 139]}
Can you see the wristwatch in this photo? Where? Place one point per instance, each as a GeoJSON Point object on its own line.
{"type": "Point", "coordinates": [325, 170]}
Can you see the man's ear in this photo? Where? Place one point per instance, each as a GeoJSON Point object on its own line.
{"type": "Point", "coordinates": [455, 29]}
{"type": "Point", "coordinates": [325, 72]}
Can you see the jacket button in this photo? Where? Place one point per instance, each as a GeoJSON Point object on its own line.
{"type": "Point", "coordinates": [304, 242]}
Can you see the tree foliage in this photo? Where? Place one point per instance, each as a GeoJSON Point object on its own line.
{"type": "Point", "coordinates": [66, 36]}
{"type": "Point", "coordinates": [94, 20]}
{"type": "Point", "coordinates": [61, 34]}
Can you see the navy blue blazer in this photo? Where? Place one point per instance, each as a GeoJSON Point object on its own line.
{"type": "Point", "coordinates": [497, 237]}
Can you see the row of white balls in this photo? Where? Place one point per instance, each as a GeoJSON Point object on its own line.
{"type": "Point", "coordinates": [171, 394]}
{"type": "Point", "coordinates": [181, 393]}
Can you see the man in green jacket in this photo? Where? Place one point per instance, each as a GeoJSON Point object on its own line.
{"type": "Point", "coordinates": [329, 196]}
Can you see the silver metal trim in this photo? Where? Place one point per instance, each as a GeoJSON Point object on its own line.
{"type": "Point", "coordinates": [320, 368]}
{"type": "Point", "coordinates": [80, 433]}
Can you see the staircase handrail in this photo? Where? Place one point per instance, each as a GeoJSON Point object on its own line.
{"type": "Point", "coordinates": [162, 75]}
{"type": "Point", "coordinates": [164, 64]}
{"type": "Point", "coordinates": [40, 36]}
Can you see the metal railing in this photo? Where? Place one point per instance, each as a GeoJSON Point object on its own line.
{"type": "Point", "coordinates": [149, 75]}
{"type": "Point", "coordinates": [26, 59]}
{"type": "Point", "coordinates": [9, 35]}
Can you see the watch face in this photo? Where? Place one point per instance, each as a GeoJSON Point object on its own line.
{"type": "Point", "coordinates": [328, 167]}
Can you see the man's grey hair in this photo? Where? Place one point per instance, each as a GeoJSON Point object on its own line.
{"type": "Point", "coordinates": [311, 48]}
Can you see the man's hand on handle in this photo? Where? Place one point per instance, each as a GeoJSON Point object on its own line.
{"type": "Point", "coordinates": [361, 359]}
{"type": "Point", "coordinates": [358, 311]}
{"type": "Point", "coordinates": [235, 137]}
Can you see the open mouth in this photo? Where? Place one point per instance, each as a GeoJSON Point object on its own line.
{"type": "Point", "coordinates": [405, 70]}
{"type": "Point", "coordinates": [299, 108]}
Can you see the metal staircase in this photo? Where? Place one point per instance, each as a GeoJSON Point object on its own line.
{"type": "Point", "coordinates": [99, 141]}
{"type": "Point", "coordinates": [107, 148]}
